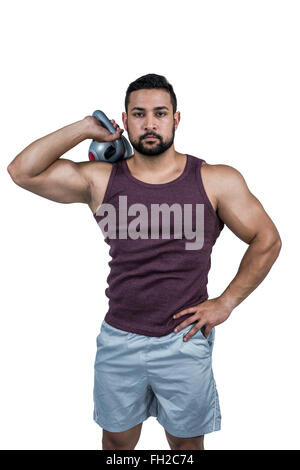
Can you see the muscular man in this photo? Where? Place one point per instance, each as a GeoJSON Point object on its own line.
{"type": "Point", "coordinates": [161, 212]}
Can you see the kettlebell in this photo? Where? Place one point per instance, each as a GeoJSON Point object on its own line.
{"type": "Point", "coordinates": [109, 151]}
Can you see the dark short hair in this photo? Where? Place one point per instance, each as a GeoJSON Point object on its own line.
{"type": "Point", "coordinates": [150, 81]}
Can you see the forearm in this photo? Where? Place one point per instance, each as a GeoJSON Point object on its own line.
{"type": "Point", "coordinates": [40, 154]}
{"type": "Point", "coordinates": [255, 265]}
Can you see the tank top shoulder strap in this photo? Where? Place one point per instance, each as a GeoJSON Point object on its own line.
{"type": "Point", "coordinates": [199, 179]}
{"type": "Point", "coordinates": [196, 164]}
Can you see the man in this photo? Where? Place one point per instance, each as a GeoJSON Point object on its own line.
{"type": "Point", "coordinates": [155, 345]}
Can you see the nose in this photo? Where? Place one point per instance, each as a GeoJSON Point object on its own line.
{"type": "Point", "coordinates": [149, 124]}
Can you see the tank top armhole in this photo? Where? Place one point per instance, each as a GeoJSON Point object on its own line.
{"type": "Point", "coordinates": [200, 185]}
{"type": "Point", "coordinates": [109, 184]}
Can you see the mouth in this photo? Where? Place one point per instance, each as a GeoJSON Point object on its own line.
{"type": "Point", "coordinates": [150, 137]}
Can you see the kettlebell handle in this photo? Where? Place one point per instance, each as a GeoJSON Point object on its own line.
{"type": "Point", "coordinates": [109, 151]}
{"type": "Point", "coordinates": [104, 120]}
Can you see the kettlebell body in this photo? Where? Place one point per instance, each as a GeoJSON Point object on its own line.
{"type": "Point", "coordinates": [109, 151]}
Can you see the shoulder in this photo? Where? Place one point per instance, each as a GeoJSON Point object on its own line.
{"type": "Point", "coordinates": [221, 171]}
{"type": "Point", "coordinates": [96, 172]}
{"type": "Point", "coordinates": [221, 177]}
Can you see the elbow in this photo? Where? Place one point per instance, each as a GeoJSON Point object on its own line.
{"type": "Point", "coordinates": [13, 173]}
{"type": "Point", "coordinates": [275, 244]}
{"type": "Point", "coordinates": [278, 245]}
{"type": "Point", "coordinates": [10, 170]}
{"type": "Point", "coordinates": [270, 242]}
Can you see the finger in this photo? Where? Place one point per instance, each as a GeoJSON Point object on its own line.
{"type": "Point", "coordinates": [185, 311]}
{"type": "Point", "coordinates": [116, 135]}
{"type": "Point", "coordinates": [191, 333]}
{"type": "Point", "coordinates": [200, 323]}
{"type": "Point", "coordinates": [114, 123]}
{"type": "Point", "coordinates": [116, 126]}
{"type": "Point", "coordinates": [185, 323]}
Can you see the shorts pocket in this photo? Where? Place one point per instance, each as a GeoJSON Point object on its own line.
{"type": "Point", "coordinates": [210, 337]}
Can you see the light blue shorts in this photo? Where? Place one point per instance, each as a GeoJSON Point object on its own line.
{"type": "Point", "coordinates": [138, 376]}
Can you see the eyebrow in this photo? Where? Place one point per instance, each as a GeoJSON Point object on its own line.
{"type": "Point", "coordinates": [143, 109]}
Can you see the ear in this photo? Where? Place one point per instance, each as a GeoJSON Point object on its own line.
{"type": "Point", "coordinates": [124, 119]}
{"type": "Point", "coordinates": [177, 119]}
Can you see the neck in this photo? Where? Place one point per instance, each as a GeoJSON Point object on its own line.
{"type": "Point", "coordinates": [165, 163]}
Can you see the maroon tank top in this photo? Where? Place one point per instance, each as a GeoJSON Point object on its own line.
{"type": "Point", "coordinates": [160, 237]}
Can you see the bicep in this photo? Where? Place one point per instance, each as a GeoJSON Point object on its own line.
{"type": "Point", "coordinates": [239, 209]}
{"type": "Point", "coordinates": [64, 181]}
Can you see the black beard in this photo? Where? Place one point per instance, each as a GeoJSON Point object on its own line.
{"type": "Point", "coordinates": [154, 148]}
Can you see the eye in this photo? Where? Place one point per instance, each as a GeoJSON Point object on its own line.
{"type": "Point", "coordinates": [161, 113]}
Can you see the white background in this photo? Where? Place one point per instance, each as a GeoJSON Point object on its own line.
{"type": "Point", "coordinates": [234, 66]}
